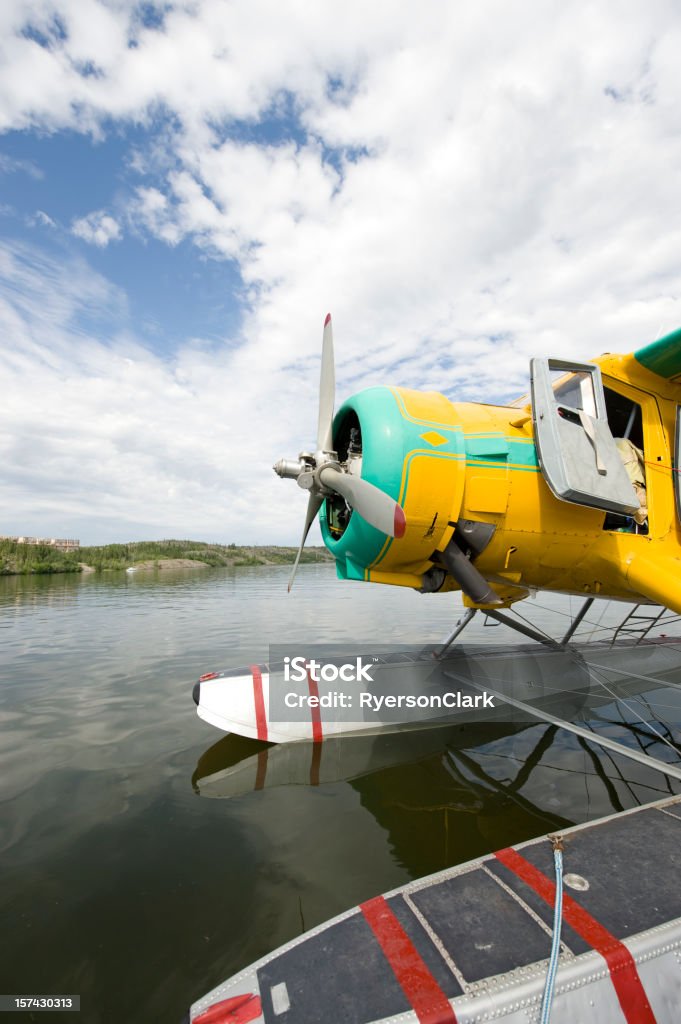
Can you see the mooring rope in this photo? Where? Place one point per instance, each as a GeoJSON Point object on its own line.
{"type": "Point", "coordinates": [547, 998]}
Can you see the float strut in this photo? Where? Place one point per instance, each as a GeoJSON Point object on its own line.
{"type": "Point", "coordinates": [459, 628]}
{"type": "Point", "coordinates": [520, 627]}
{"type": "Point", "coordinates": [577, 619]}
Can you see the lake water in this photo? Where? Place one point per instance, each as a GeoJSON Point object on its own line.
{"type": "Point", "coordinates": [141, 866]}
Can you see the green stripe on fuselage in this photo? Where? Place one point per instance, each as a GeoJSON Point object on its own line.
{"type": "Point", "coordinates": [521, 455]}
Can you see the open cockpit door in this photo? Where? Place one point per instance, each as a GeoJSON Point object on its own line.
{"type": "Point", "coordinates": [577, 453]}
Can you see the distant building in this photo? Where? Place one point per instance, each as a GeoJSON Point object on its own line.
{"type": "Point", "coordinates": [61, 544]}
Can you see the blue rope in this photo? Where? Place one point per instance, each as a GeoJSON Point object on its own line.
{"type": "Point", "coordinates": [555, 945]}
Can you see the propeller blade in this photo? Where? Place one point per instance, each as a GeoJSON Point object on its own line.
{"type": "Point", "coordinates": [327, 391]}
{"type": "Point", "coordinates": [374, 505]}
{"type": "Point", "coordinates": [314, 504]}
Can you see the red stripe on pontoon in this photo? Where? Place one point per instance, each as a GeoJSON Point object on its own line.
{"type": "Point", "coordinates": [427, 999]}
{"type": "Point", "coordinates": [236, 1010]}
{"type": "Point", "coordinates": [621, 964]}
{"type": "Point", "coordinates": [259, 701]}
{"type": "Point", "coordinates": [315, 713]}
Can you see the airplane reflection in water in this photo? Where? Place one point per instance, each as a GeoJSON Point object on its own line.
{"type": "Point", "coordinates": [479, 785]}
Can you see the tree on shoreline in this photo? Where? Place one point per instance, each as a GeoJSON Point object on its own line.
{"type": "Point", "coordinates": [31, 559]}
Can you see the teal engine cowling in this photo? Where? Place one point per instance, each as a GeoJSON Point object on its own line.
{"type": "Point", "coordinates": [407, 444]}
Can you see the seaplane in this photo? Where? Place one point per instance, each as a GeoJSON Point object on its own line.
{"type": "Point", "coordinates": [577, 490]}
{"type": "Point", "coordinates": [574, 489]}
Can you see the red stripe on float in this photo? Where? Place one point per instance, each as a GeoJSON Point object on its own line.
{"type": "Point", "coordinates": [427, 999]}
{"type": "Point", "coordinates": [315, 713]}
{"type": "Point", "coordinates": [236, 1010]}
{"type": "Point", "coordinates": [259, 701]}
{"type": "Point", "coordinates": [623, 973]}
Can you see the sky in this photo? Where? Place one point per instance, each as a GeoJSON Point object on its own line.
{"type": "Point", "coordinates": [187, 188]}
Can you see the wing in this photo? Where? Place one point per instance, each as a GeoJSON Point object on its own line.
{"type": "Point", "coordinates": [663, 356]}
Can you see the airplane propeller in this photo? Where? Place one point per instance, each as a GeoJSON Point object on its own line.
{"type": "Point", "coordinates": [322, 474]}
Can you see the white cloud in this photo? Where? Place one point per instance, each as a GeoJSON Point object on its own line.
{"type": "Point", "coordinates": [10, 165]}
{"type": "Point", "coordinates": [42, 218]}
{"type": "Point", "coordinates": [99, 228]}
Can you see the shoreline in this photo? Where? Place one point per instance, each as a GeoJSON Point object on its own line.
{"type": "Point", "coordinates": [150, 557]}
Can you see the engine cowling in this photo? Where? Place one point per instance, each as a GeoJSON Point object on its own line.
{"type": "Point", "coordinates": [408, 444]}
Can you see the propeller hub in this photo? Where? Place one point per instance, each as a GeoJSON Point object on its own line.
{"type": "Point", "coordinates": [289, 468]}
{"type": "Point", "coordinates": [307, 468]}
